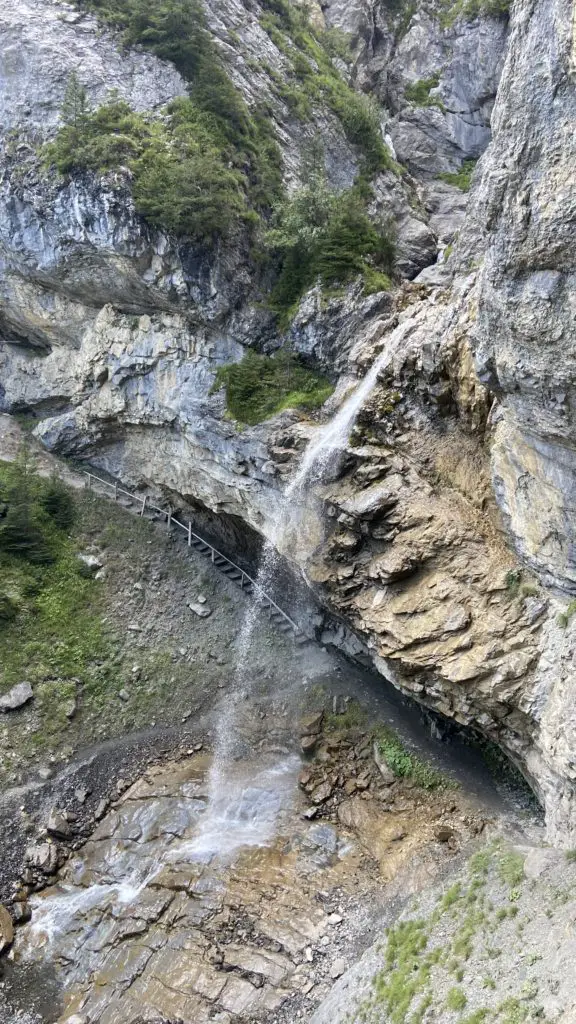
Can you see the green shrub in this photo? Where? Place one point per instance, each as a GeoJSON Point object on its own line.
{"type": "Point", "coordinates": [57, 502]}
{"type": "Point", "coordinates": [469, 9]}
{"type": "Point", "coordinates": [26, 531]}
{"type": "Point", "coordinates": [322, 234]}
{"type": "Point", "coordinates": [407, 765]}
{"type": "Point", "coordinates": [210, 164]}
{"type": "Point", "coordinates": [260, 386]}
{"type": "Point", "coordinates": [462, 178]}
{"type": "Point", "coordinates": [419, 92]}
{"type": "Point", "coordinates": [8, 607]}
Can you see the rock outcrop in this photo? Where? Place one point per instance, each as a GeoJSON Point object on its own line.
{"type": "Point", "coordinates": [112, 333]}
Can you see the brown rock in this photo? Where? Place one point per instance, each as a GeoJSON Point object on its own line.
{"type": "Point", "coordinates": [321, 792]}
{"type": "Point", "coordinates": [308, 743]}
{"type": "Point", "coordinates": [444, 833]}
{"type": "Point", "coordinates": [6, 929]}
{"type": "Point", "coordinates": [311, 725]}
{"type": "Point", "coordinates": [21, 912]}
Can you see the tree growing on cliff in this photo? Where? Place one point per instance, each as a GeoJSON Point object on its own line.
{"type": "Point", "coordinates": [75, 107]}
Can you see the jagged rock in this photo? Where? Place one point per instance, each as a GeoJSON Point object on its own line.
{"type": "Point", "coordinates": [6, 929]}
{"type": "Point", "coordinates": [57, 823]}
{"type": "Point", "coordinates": [308, 743]}
{"type": "Point", "coordinates": [43, 856]}
{"type": "Point", "coordinates": [101, 809]}
{"type": "Point", "coordinates": [337, 969]}
{"type": "Point", "coordinates": [81, 794]}
{"type": "Point", "coordinates": [21, 912]}
{"type": "Point", "coordinates": [321, 793]}
{"type": "Point", "coordinates": [311, 725]}
{"type": "Point", "coordinates": [386, 772]}
{"type": "Point", "coordinates": [444, 833]}
{"type": "Point", "coordinates": [16, 697]}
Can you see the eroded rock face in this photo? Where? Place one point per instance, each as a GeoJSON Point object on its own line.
{"type": "Point", "coordinates": [524, 341]}
{"type": "Point", "coordinates": [113, 334]}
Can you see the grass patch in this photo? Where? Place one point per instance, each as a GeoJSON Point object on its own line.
{"type": "Point", "coordinates": [456, 999]}
{"type": "Point", "coordinates": [510, 868]}
{"type": "Point", "coordinates": [406, 765]}
{"type": "Point", "coordinates": [418, 92]}
{"type": "Point", "coordinates": [470, 9]}
{"type": "Point", "coordinates": [564, 617]}
{"type": "Point", "coordinates": [354, 717]}
{"type": "Point", "coordinates": [462, 179]}
{"type": "Point", "coordinates": [260, 386]}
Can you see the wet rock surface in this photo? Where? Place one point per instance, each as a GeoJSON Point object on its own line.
{"type": "Point", "coordinates": [249, 912]}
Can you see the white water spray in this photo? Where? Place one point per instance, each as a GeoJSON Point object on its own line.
{"type": "Point", "coordinates": [225, 824]}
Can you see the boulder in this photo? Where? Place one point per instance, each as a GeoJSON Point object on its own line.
{"type": "Point", "coordinates": [16, 697]}
{"type": "Point", "coordinates": [337, 969]}
{"type": "Point", "coordinates": [201, 610]}
{"type": "Point", "coordinates": [311, 725]}
{"type": "Point", "coordinates": [443, 833]}
{"type": "Point", "coordinates": [307, 744]}
{"type": "Point", "coordinates": [57, 823]}
{"type": "Point", "coordinates": [321, 793]}
{"type": "Point", "coordinates": [6, 929]}
{"type": "Point", "coordinates": [43, 856]}
{"type": "Point", "coordinates": [90, 562]}
{"type": "Point", "coordinates": [21, 912]}
{"type": "Point", "coordinates": [383, 766]}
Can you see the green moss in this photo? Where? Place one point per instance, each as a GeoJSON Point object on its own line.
{"type": "Point", "coordinates": [352, 718]}
{"type": "Point", "coordinates": [478, 1017]}
{"type": "Point", "coordinates": [261, 386]}
{"type": "Point", "coordinates": [405, 764]}
{"type": "Point", "coordinates": [461, 179]}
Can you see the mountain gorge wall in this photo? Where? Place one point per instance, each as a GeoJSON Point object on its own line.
{"type": "Point", "coordinates": [111, 332]}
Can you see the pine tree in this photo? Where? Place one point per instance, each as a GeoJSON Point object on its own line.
{"type": "Point", "coordinates": [75, 106]}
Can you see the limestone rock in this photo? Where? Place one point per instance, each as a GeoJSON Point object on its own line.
{"type": "Point", "coordinates": [16, 697]}
{"type": "Point", "coordinates": [43, 856]}
{"type": "Point", "coordinates": [57, 823]}
{"type": "Point", "coordinates": [6, 929]}
{"type": "Point", "coordinates": [201, 610]}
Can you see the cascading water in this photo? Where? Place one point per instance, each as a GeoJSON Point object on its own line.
{"type": "Point", "coordinates": [234, 812]}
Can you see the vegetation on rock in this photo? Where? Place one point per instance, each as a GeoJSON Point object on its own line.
{"type": "Point", "coordinates": [461, 179]}
{"type": "Point", "coordinates": [260, 386]}
{"type": "Point", "coordinates": [469, 9]}
{"type": "Point", "coordinates": [419, 92]}
{"type": "Point", "coordinates": [321, 234]}
{"type": "Point", "coordinates": [406, 765]}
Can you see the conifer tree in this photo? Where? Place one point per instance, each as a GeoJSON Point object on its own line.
{"type": "Point", "coordinates": [75, 105]}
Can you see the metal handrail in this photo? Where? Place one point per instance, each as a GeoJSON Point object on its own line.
{"type": "Point", "coordinates": [147, 505]}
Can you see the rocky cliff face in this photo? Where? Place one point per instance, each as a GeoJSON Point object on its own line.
{"type": "Point", "coordinates": [112, 331]}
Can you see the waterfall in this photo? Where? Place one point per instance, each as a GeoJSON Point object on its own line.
{"type": "Point", "coordinates": [228, 801]}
